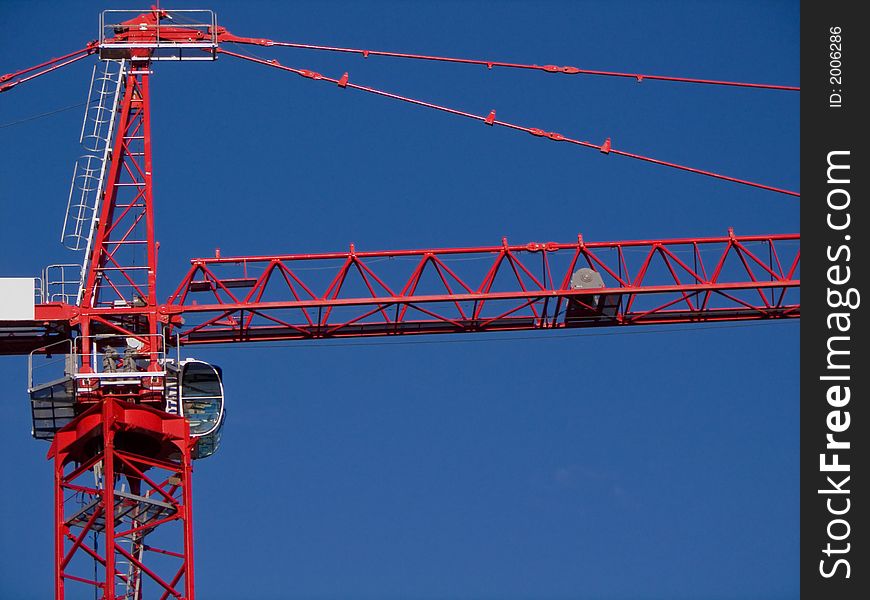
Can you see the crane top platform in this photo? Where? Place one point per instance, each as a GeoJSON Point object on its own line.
{"type": "Point", "coordinates": [158, 34]}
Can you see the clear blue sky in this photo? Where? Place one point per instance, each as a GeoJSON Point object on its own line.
{"type": "Point", "coordinates": [645, 464]}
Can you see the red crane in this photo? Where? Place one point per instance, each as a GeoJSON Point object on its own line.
{"type": "Point", "coordinates": [126, 415]}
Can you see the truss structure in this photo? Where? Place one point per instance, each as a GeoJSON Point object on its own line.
{"type": "Point", "coordinates": [498, 288]}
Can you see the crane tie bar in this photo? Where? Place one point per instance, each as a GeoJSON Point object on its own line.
{"type": "Point", "coordinates": [10, 80]}
{"type": "Point", "coordinates": [226, 36]}
{"type": "Point", "coordinates": [605, 147]}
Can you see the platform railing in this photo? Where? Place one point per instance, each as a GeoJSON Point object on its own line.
{"type": "Point", "coordinates": [110, 357]}
{"type": "Point", "coordinates": [119, 357]}
{"type": "Point", "coordinates": [189, 34]}
{"type": "Point", "coordinates": [50, 365]}
{"type": "Point", "coordinates": [60, 283]}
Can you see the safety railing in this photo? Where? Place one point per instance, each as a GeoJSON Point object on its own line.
{"type": "Point", "coordinates": [60, 283]}
{"type": "Point", "coordinates": [50, 365]}
{"type": "Point", "coordinates": [119, 357]}
{"type": "Point", "coordinates": [110, 357]}
{"type": "Point", "coordinates": [165, 34]}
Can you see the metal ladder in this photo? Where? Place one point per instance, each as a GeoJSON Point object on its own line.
{"type": "Point", "coordinates": [89, 171]}
{"type": "Point", "coordinates": [132, 581]}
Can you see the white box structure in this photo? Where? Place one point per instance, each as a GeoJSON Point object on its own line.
{"type": "Point", "coordinates": [17, 300]}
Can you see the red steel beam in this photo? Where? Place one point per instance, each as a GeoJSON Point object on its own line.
{"type": "Point", "coordinates": [462, 290]}
{"type": "Point", "coordinates": [605, 147]}
{"type": "Point", "coordinates": [226, 36]}
{"type": "Point", "coordinates": [10, 80]}
{"type": "Point", "coordinates": [491, 288]}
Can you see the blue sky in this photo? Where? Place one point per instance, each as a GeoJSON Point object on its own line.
{"type": "Point", "coordinates": [651, 463]}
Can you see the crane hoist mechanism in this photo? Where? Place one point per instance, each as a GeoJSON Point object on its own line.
{"type": "Point", "coordinates": [125, 413]}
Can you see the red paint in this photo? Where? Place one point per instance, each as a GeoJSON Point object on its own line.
{"type": "Point", "coordinates": [226, 36]}
{"type": "Point", "coordinates": [532, 130]}
{"type": "Point", "coordinates": [650, 282]}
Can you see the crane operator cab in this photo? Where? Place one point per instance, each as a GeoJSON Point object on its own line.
{"type": "Point", "coordinates": [196, 392]}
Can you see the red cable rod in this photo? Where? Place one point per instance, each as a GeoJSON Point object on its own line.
{"type": "Point", "coordinates": [229, 37]}
{"type": "Point", "coordinates": [52, 65]}
{"type": "Point", "coordinates": [605, 148]}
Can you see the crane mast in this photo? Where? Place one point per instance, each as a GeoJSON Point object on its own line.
{"type": "Point", "coordinates": [123, 453]}
{"type": "Point", "coordinates": [126, 415]}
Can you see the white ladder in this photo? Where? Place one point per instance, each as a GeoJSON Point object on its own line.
{"type": "Point", "coordinates": [89, 171]}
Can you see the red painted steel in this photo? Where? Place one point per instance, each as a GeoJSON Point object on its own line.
{"type": "Point", "coordinates": [121, 268]}
{"type": "Point", "coordinates": [111, 490]}
{"type": "Point", "coordinates": [226, 36]}
{"type": "Point", "coordinates": [115, 441]}
{"type": "Point", "coordinates": [490, 120]}
{"type": "Point", "coordinates": [10, 80]}
{"type": "Point", "coordinates": [494, 288]}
